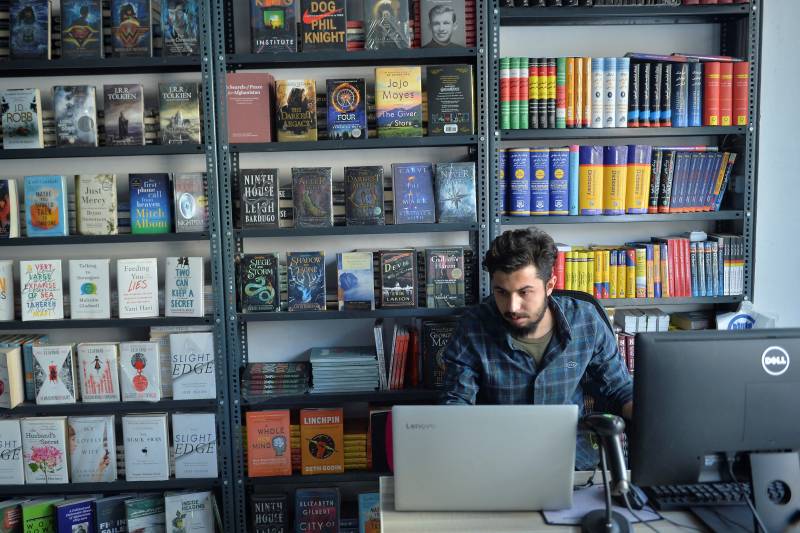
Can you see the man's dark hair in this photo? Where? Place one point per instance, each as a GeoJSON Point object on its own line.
{"type": "Point", "coordinates": [519, 248]}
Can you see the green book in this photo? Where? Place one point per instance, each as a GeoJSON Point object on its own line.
{"type": "Point", "coordinates": [39, 516]}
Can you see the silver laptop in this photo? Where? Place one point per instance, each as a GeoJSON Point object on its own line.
{"type": "Point", "coordinates": [483, 458]}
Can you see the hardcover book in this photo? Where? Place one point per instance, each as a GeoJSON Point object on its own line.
{"type": "Point", "coordinates": [398, 278]}
{"type": "Point", "coordinates": [317, 508]}
{"type": "Point", "coordinates": [273, 26]}
{"type": "Point", "coordinates": [321, 442]}
{"type": "Point", "coordinates": [363, 196]}
{"type": "Point", "coordinates": [443, 24]}
{"type": "Point", "coordinates": [89, 291]}
{"type": "Point", "coordinates": [11, 514]}
{"type": "Point", "coordinates": [145, 514]}
{"type": "Point", "coordinates": [356, 287]}
{"type": "Point", "coordinates": [131, 35]}
{"type": "Point", "coordinates": [93, 449]}
{"type": "Point", "coordinates": [96, 204]}
{"type": "Point", "coordinates": [81, 29]}
{"type": "Point", "coordinates": [269, 513]}
{"type": "Point", "coordinates": [451, 105]}
{"type": "Point", "coordinates": [189, 512]}
{"type": "Point", "coordinates": [150, 203]}
{"type": "Point", "coordinates": [183, 287]}
{"type": "Point", "coordinates": [398, 101]}
{"type": "Point", "coordinates": [179, 28]}
{"type": "Point", "coordinates": [30, 29]}
{"type": "Point", "coordinates": [41, 290]}
{"type": "Point", "coordinates": [312, 196]}
{"type": "Point", "coordinates": [12, 382]}
{"type": "Point", "coordinates": [54, 370]}
{"type": "Point", "coordinates": [250, 97]}
{"type": "Point", "coordinates": [191, 202]}
{"type": "Point", "coordinates": [98, 372]}
{"type": "Point", "coordinates": [258, 198]}
{"type": "Point", "coordinates": [259, 289]}
{"type": "Point", "coordinates": [193, 375]}
{"type": "Point", "coordinates": [11, 467]}
{"type": "Point", "coordinates": [412, 190]}
{"type": "Point", "coordinates": [40, 515]}
{"type": "Point", "coordinates": [46, 206]}
{"type": "Point", "coordinates": [387, 24]}
{"type": "Point", "coordinates": [444, 277]}
{"type": "Point", "coordinates": [455, 192]}
{"type": "Point", "coordinates": [44, 449]}
{"type": "Point", "coordinates": [123, 114]}
{"type": "Point", "coordinates": [140, 373]}
{"type": "Point", "coordinates": [22, 118]}
{"type": "Point", "coordinates": [75, 112]}
{"type": "Point", "coordinates": [268, 443]}
{"type": "Point", "coordinates": [75, 515]}
{"type": "Point", "coordinates": [109, 514]}
{"type": "Point", "coordinates": [306, 281]}
{"type": "Point", "coordinates": [194, 437]}
{"type": "Point", "coordinates": [9, 209]}
{"type": "Point", "coordinates": [347, 109]}
{"type": "Point", "coordinates": [179, 112]}
{"type": "Point", "coordinates": [296, 110]}
{"type": "Point", "coordinates": [7, 290]}
{"type": "Point", "coordinates": [137, 287]}
{"type": "Point", "coordinates": [435, 336]}
{"type": "Point", "coordinates": [146, 448]}
{"type": "Point", "coordinates": [324, 24]}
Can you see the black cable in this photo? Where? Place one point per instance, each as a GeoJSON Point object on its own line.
{"type": "Point", "coordinates": [678, 524]}
{"type": "Point", "coordinates": [637, 517]}
{"type": "Point", "coordinates": [589, 482]}
{"type": "Point", "coordinates": [729, 460]}
{"type": "Point", "coordinates": [731, 521]}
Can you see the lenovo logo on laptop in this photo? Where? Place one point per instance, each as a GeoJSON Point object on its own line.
{"type": "Point", "coordinates": [775, 361]}
{"type": "Point", "coordinates": [420, 427]}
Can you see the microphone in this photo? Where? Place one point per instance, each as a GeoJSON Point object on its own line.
{"type": "Point", "coordinates": [609, 428]}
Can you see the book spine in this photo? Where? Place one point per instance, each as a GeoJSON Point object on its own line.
{"type": "Point", "coordinates": [622, 274]}
{"type": "Point", "coordinates": [615, 168]}
{"type": "Point", "coordinates": [741, 93]}
{"type": "Point", "coordinates": [711, 94]}
{"type": "Point", "coordinates": [570, 91]}
{"type": "Point", "coordinates": [560, 269]}
{"type": "Point", "coordinates": [725, 93]}
{"type": "Point", "coordinates": [638, 179]}
{"type": "Point", "coordinates": [597, 92]}
{"type": "Point", "coordinates": [569, 259]}
{"type": "Point", "coordinates": [680, 95]}
{"type": "Point", "coordinates": [542, 105]}
{"type": "Point", "coordinates": [587, 92]}
{"type": "Point", "coordinates": [505, 93]}
{"type": "Point", "coordinates": [723, 186]}
{"type": "Point", "coordinates": [513, 88]}
{"type": "Point", "coordinates": [714, 270]}
{"type": "Point", "coordinates": [561, 92]}
{"type": "Point", "coordinates": [630, 272]}
{"type": "Point", "coordinates": [666, 96]}
{"type": "Point", "coordinates": [655, 175]}
{"type": "Point", "coordinates": [612, 274]}
{"type": "Point", "coordinates": [640, 255]}
{"type": "Point", "coordinates": [664, 269]}
{"type": "Point", "coordinates": [559, 181]}
{"type": "Point", "coordinates": [606, 263]}
{"type": "Point", "coordinates": [657, 70]}
{"type": "Point", "coordinates": [533, 93]}
{"type": "Point", "coordinates": [579, 92]}
{"type": "Point", "coordinates": [633, 95]}
{"type": "Point", "coordinates": [621, 100]}
{"type": "Point", "coordinates": [696, 95]}
{"type": "Point", "coordinates": [665, 182]}
{"type": "Point", "coordinates": [551, 92]}
{"type": "Point", "coordinates": [597, 273]}
{"type": "Point", "coordinates": [574, 178]}
{"type": "Point", "coordinates": [540, 181]}
{"type": "Point", "coordinates": [702, 269]}
{"type": "Point", "coordinates": [501, 182]}
{"type": "Point", "coordinates": [657, 288]}
{"type": "Point", "coordinates": [609, 91]}
{"type": "Point", "coordinates": [694, 269]}
{"type": "Point", "coordinates": [522, 92]}
{"type": "Point", "coordinates": [644, 95]}
{"type": "Point", "coordinates": [649, 271]}
{"type": "Point", "coordinates": [590, 185]}
{"type": "Point", "coordinates": [519, 187]}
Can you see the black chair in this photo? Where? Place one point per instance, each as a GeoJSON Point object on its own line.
{"type": "Point", "coordinates": [586, 297]}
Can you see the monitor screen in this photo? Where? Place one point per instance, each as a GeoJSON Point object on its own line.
{"type": "Point", "coordinates": [698, 395]}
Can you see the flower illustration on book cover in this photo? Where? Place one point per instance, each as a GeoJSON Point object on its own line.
{"type": "Point", "coordinates": [139, 362]}
{"type": "Point", "coordinates": [179, 522]}
{"type": "Point", "coordinates": [47, 459]}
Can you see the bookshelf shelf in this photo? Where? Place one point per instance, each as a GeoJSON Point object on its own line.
{"type": "Point", "coordinates": [413, 312]}
{"type": "Point", "coordinates": [104, 239]}
{"type": "Point", "coordinates": [354, 230]}
{"type": "Point", "coordinates": [617, 133]}
{"type": "Point", "coordinates": [416, 56]}
{"type": "Point", "coordinates": [621, 15]}
{"type": "Point", "coordinates": [368, 144]}
{"type": "Point", "coordinates": [102, 151]}
{"type": "Point", "coordinates": [109, 65]}
{"type": "Point", "coordinates": [19, 325]}
{"type": "Point", "coordinates": [602, 219]}
{"type": "Point", "coordinates": [321, 480]}
{"type": "Point", "coordinates": [29, 409]}
{"type": "Point", "coordinates": [388, 397]}
{"type": "Point", "coordinates": [113, 486]}
{"type": "Point", "coordinates": [658, 302]}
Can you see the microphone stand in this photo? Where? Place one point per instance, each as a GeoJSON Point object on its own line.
{"type": "Point", "coordinates": [605, 520]}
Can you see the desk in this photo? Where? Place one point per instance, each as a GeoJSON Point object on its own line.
{"type": "Point", "coordinates": [393, 521]}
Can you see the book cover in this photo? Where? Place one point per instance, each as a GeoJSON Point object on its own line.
{"type": "Point", "coordinates": [356, 281]}
{"type": "Point", "coordinates": [81, 29]}
{"type": "Point", "coordinates": [89, 291]}
{"type": "Point", "coordinates": [324, 24]}
{"type": "Point", "coordinates": [44, 449]}
{"type": "Point", "coordinates": [54, 369]}
{"type": "Point", "coordinates": [363, 195]}
{"type": "Point", "coordinates": [12, 382]}
{"type": "Point", "coordinates": [11, 466]}
{"type": "Point", "coordinates": [179, 28]}
{"type": "Point", "coordinates": [9, 209]}
{"type": "Point", "coordinates": [123, 114]}
{"type": "Point", "coordinates": [98, 372]}
{"type": "Point", "coordinates": [250, 96]}
{"type": "Point", "coordinates": [179, 112]}
{"type": "Point", "coordinates": [30, 29]}
{"type": "Point", "coordinates": [725, 93]}
{"type": "Point", "coordinates": [75, 515]}
{"type": "Point", "coordinates": [46, 206]}
{"type": "Point", "coordinates": [268, 443]}
{"type": "Point", "coordinates": [369, 512]}
{"type": "Point", "coordinates": [386, 24]}
{"type": "Point", "coordinates": [131, 35]}
{"type": "Point", "coordinates": [398, 278]}
{"type": "Point", "coordinates": [259, 289]}
{"type": "Point", "coordinates": [591, 180]}
{"type": "Point", "coordinates": [451, 105]}
{"type": "Point", "coordinates": [258, 198]}
{"type": "Point", "coordinates": [443, 24]}
{"type": "Point", "coordinates": [39, 515]}
{"type": "Point", "coordinates": [189, 512]}
{"type": "Point", "coordinates": [519, 183]}
{"type": "Point", "coordinates": [137, 287]}
{"type": "Point", "coordinates": [140, 374]}
{"type": "Point", "coordinates": [306, 281]}
{"type": "Point", "coordinates": [398, 100]}
{"type": "Point", "coordinates": [41, 290]}
{"type": "Point", "coordinates": [150, 203]}
{"type": "Point", "coordinates": [109, 514]}
{"type": "Point", "coordinates": [695, 109]}
{"type": "Point", "coordinates": [638, 178]}
{"type": "Point", "coordinates": [183, 287]}
{"type": "Point", "coordinates": [22, 118]}
{"type": "Point", "coordinates": [273, 26]}
{"type": "Point", "coordinates": [312, 196]}
{"type": "Point", "coordinates": [96, 204]}
{"type": "Point", "coordinates": [145, 514]}
{"type": "Point", "coordinates": [347, 109]}
{"type": "Point", "coordinates": [296, 110]}
{"type": "Point", "coordinates": [741, 93]}
{"type": "Point", "coordinates": [193, 374]}
{"type": "Point", "coordinates": [146, 447]}
{"type": "Point", "coordinates": [92, 449]}
{"type": "Point", "coordinates": [711, 94]}
{"type": "Point", "coordinates": [444, 277]}
{"type": "Point", "coordinates": [191, 202]}
{"type": "Point", "coordinates": [11, 515]}
{"type": "Point", "coordinates": [6, 290]}
{"type": "Point", "coordinates": [321, 441]}
{"type": "Point", "coordinates": [317, 509]}
{"type": "Point", "coordinates": [455, 193]}
{"type": "Point", "coordinates": [75, 112]}
{"type": "Point", "coordinates": [269, 513]}
{"type": "Point", "coordinates": [412, 191]}
{"type": "Point", "coordinates": [194, 437]}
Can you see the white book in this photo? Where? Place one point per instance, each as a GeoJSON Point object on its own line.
{"type": "Point", "coordinates": [194, 438]}
{"type": "Point", "coordinates": [41, 290]}
{"type": "Point", "coordinates": [89, 289]}
{"type": "Point", "coordinates": [137, 287]}
{"type": "Point", "coordinates": [96, 204]}
{"type": "Point", "coordinates": [189, 512]}
{"type": "Point", "coordinates": [140, 372]}
{"type": "Point", "coordinates": [11, 466]}
{"type": "Point", "coordinates": [44, 449]}
{"type": "Point", "coordinates": [6, 290]}
{"type": "Point", "coordinates": [98, 372]}
{"type": "Point", "coordinates": [146, 447]}
{"type": "Point", "coordinates": [92, 454]}
{"type": "Point", "coordinates": [54, 372]}
{"type": "Point", "coordinates": [12, 379]}
{"type": "Point", "coordinates": [183, 290]}
{"type": "Point", "coordinates": [193, 375]}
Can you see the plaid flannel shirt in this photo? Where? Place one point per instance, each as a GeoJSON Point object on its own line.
{"type": "Point", "coordinates": [483, 366]}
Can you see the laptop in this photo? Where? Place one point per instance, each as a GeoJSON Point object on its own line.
{"type": "Point", "coordinates": [484, 457]}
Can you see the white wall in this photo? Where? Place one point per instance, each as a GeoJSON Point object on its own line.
{"type": "Point", "coordinates": [777, 253]}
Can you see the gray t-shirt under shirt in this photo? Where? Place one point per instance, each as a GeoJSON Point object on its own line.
{"type": "Point", "coordinates": [534, 347]}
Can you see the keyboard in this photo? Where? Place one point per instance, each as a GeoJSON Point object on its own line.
{"type": "Point", "coordinates": [673, 497]}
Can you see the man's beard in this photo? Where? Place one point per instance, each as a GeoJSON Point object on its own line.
{"type": "Point", "coordinates": [530, 327]}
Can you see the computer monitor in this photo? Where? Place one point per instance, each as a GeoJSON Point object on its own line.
{"type": "Point", "coordinates": [701, 395]}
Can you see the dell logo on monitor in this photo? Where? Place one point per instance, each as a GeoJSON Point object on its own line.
{"type": "Point", "coordinates": [775, 361]}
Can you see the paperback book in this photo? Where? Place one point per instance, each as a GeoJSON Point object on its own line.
{"type": "Point", "coordinates": [268, 443]}
{"type": "Point", "coordinates": [322, 441]}
{"type": "Point", "coordinates": [12, 471]}
{"type": "Point", "coordinates": [22, 118]}
{"type": "Point", "coordinates": [98, 371]}
{"type": "Point", "coordinates": [189, 512]}
{"type": "Point", "coordinates": [75, 110]}
{"type": "Point", "coordinates": [398, 278]}
{"type": "Point", "coordinates": [183, 288]}
{"type": "Point", "coordinates": [194, 437]}
{"type": "Point", "coordinates": [30, 29]}
{"type": "Point", "coordinates": [356, 287]}
{"type": "Point", "coordinates": [296, 110]}
{"type": "Point", "coordinates": [131, 35]}
{"type": "Point", "coordinates": [193, 374]}
{"type": "Point", "coordinates": [54, 374]}
{"type": "Point", "coordinates": [445, 277]}
{"type": "Point", "coordinates": [109, 514]}
{"type": "Point", "coordinates": [93, 453]}
{"type": "Point", "coordinates": [191, 202]}
{"type": "Point", "coordinates": [81, 29]}
{"type": "Point", "coordinates": [347, 109]}
{"type": "Point", "coordinates": [44, 449]}
{"type": "Point", "coordinates": [363, 195]}
{"type": "Point", "coordinates": [455, 193]}
{"type": "Point", "coordinates": [145, 514]}
{"type": "Point", "coordinates": [324, 25]}
{"type": "Point", "coordinates": [46, 206]}
{"type": "Point", "coordinates": [75, 514]}
{"type": "Point", "coordinates": [179, 112]}
{"type": "Point", "coordinates": [259, 289]}
{"type": "Point", "coordinates": [41, 290]}
{"type": "Point", "coordinates": [273, 26]}
{"type": "Point", "coordinates": [139, 371]}
{"type": "Point", "coordinates": [412, 189]}
{"type": "Point", "coordinates": [96, 204]}
{"type": "Point", "coordinates": [137, 287]}
{"type": "Point", "coordinates": [306, 281]}
{"type": "Point", "coordinates": [258, 198]}
{"type": "Point", "coordinates": [317, 509]}
{"type": "Point", "coordinates": [312, 195]}
{"type": "Point", "coordinates": [451, 106]}
{"type": "Point", "coordinates": [146, 447]}
{"type": "Point", "coordinates": [89, 290]}
{"type": "Point", "coordinates": [249, 94]}
{"type": "Point", "coordinates": [398, 101]}
{"type": "Point", "coordinates": [150, 203]}
{"type": "Point", "coordinates": [123, 114]}
{"type": "Point", "coordinates": [386, 24]}
{"type": "Point", "coordinates": [443, 24]}
{"type": "Point", "coordinates": [179, 28]}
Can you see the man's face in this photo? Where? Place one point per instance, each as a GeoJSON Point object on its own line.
{"type": "Point", "coordinates": [442, 26]}
{"type": "Point", "coordinates": [521, 298]}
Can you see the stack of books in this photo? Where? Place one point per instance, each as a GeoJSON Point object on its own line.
{"type": "Point", "coordinates": [265, 380]}
{"type": "Point", "coordinates": [344, 369]}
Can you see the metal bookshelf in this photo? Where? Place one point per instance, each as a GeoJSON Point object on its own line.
{"type": "Point", "coordinates": [108, 65]}
{"type": "Point", "coordinates": [113, 487]}
{"type": "Point", "coordinates": [56, 152]}
{"type": "Point", "coordinates": [19, 325]}
{"type": "Point", "coordinates": [109, 408]}
{"type": "Point", "coordinates": [105, 239]}
{"type": "Point", "coordinates": [411, 312]}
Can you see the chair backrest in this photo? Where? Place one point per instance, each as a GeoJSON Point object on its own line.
{"type": "Point", "coordinates": [586, 297]}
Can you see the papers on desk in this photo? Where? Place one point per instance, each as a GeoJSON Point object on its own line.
{"type": "Point", "coordinates": [589, 499]}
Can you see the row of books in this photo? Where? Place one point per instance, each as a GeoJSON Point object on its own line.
{"type": "Point", "coordinates": [83, 449]}
{"type": "Point", "coordinates": [638, 90]}
{"type": "Point", "coordinates": [668, 267]}
{"type": "Point", "coordinates": [612, 180]}
{"type": "Point", "coordinates": [41, 288]}
{"type": "Point", "coordinates": [315, 509]}
{"type": "Point", "coordinates": [75, 116]}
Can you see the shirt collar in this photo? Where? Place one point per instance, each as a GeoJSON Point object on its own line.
{"type": "Point", "coordinates": [560, 323]}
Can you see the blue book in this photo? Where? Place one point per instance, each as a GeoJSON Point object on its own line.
{"type": "Point", "coordinates": [179, 20]}
{"type": "Point", "coordinates": [412, 189]}
{"type": "Point", "coordinates": [501, 184]}
{"type": "Point", "coordinates": [317, 508]}
{"type": "Point", "coordinates": [131, 35]}
{"type": "Point", "coordinates": [81, 29]}
{"type": "Point", "coordinates": [574, 177]}
{"type": "Point", "coordinates": [151, 203]}
{"type": "Point", "coordinates": [46, 206]}
{"type": "Point", "coordinates": [347, 109]}
{"type": "Point", "coordinates": [455, 193]}
{"type": "Point", "coordinates": [680, 95]}
{"type": "Point", "coordinates": [30, 29]}
{"type": "Point", "coordinates": [76, 516]}
{"type": "Point", "coordinates": [540, 181]}
{"type": "Point", "coordinates": [305, 275]}
{"type": "Point", "coordinates": [356, 281]}
{"type": "Point", "coordinates": [559, 181]}
{"type": "Point", "coordinates": [369, 512]}
{"type": "Point", "coordinates": [519, 184]}
{"type": "Point", "coordinates": [695, 95]}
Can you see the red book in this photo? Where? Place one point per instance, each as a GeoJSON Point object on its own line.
{"type": "Point", "coordinates": [687, 267]}
{"type": "Point", "coordinates": [711, 94]}
{"type": "Point", "coordinates": [513, 92]}
{"type": "Point", "coordinates": [560, 269]}
{"type": "Point", "coordinates": [522, 89]}
{"type": "Point", "coordinates": [250, 97]}
{"type": "Point", "coordinates": [741, 93]}
{"type": "Point", "coordinates": [505, 89]}
{"type": "Point", "coordinates": [725, 1]}
{"type": "Point", "coordinates": [708, 1]}
{"type": "Point", "coordinates": [690, 2]}
{"type": "Point", "coordinates": [725, 94]}
{"type": "Point", "coordinates": [412, 361]}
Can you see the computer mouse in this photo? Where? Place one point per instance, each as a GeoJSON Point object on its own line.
{"type": "Point", "coordinates": [636, 498]}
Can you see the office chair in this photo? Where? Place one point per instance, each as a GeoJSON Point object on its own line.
{"type": "Point", "coordinates": [586, 297]}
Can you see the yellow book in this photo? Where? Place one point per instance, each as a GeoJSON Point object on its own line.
{"type": "Point", "coordinates": [612, 274]}
{"type": "Point", "coordinates": [533, 84]}
{"type": "Point", "coordinates": [590, 180]}
{"type": "Point", "coordinates": [622, 275]}
{"type": "Point", "coordinates": [606, 274]}
{"type": "Point", "coordinates": [542, 62]}
{"type": "Point", "coordinates": [641, 273]}
{"type": "Point", "coordinates": [398, 101]}
{"type": "Point", "coordinates": [658, 291]}
{"type": "Point", "coordinates": [597, 278]}
{"type": "Point", "coordinates": [615, 170]}
{"type": "Point", "coordinates": [570, 84]}
{"type": "Point", "coordinates": [569, 271]}
{"type": "Point", "coordinates": [630, 268]}
{"type": "Point", "coordinates": [583, 262]}
{"type": "Point", "coordinates": [587, 91]}
{"type": "Point", "coordinates": [638, 187]}
{"type": "Point", "coordinates": [650, 272]}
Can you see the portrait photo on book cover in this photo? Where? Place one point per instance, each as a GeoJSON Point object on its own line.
{"type": "Point", "coordinates": [443, 25]}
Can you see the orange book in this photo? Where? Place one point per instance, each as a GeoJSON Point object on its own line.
{"type": "Point", "coordinates": [268, 443]}
{"type": "Point", "coordinates": [570, 92]}
{"type": "Point", "coordinates": [322, 441]}
{"type": "Point", "coordinates": [725, 93]}
{"type": "Point", "coordinates": [741, 90]}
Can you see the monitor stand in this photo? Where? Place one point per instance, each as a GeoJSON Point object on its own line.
{"type": "Point", "coordinates": [776, 488]}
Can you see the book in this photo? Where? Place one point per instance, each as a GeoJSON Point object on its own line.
{"type": "Point", "coordinates": [741, 93]}
{"type": "Point", "coordinates": [131, 35]}
{"type": "Point", "coordinates": [41, 290]}
{"type": "Point", "coordinates": [96, 204]}
{"type": "Point", "coordinates": [324, 24]}
{"type": "Point", "coordinates": [250, 96]}
{"type": "Point", "coordinates": [259, 289]}
{"type": "Point", "coordinates": [54, 374]}
{"type": "Point", "coordinates": [711, 94]}
{"type": "Point", "coordinates": [150, 203]}
{"type": "Point", "coordinates": [46, 206]}
{"type": "Point", "coordinates": [725, 93]}
{"type": "Point", "coordinates": [6, 290]}
{"type": "Point", "coordinates": [412, 191]}
{"type": "Point", "coordinates": [386, 24]}
{"type": "Point", "coordinates": [296, 110]}
{"type": "Point", "coordinates": [12, 382]}
{"type": "Point", "coordinates": [451, 103]}
{"type": "Point", "coordinates": [22, 118]}
{"type": "Point", "coordinates": [363, 196]}
{"type": "Point", "coordinates": [9, 209]}
{"type": "Point", "coordinates": [317, 509]}
{"type": "Point", "coordinates": [444, 277]}
{"type": "Point", "coordinates": [322, 441]}
{"type": "Point", "coordinates": [369, 512]}
{"type": "Point", "coordinates": [29, 36]}
{"type": "Point", "coordinates": [356, 281]}
{"type": "Point", "coordinates": [455, 193]}
{"type": "Point", "coordinates": [139, 374]}
{"type": "Point", "coordinates": [306, 281]}
{"type": "Point", "coordinates": [75, 514]}
{"type": "Point", "coordinates": [123, 114]}
{"type": "Point", "coordinates": [145, 514]}
{"type": "Point", "coordinates": [98, 372]}
{"type": "Point", "coordinates": [347, 109]}
{"type": "Point", "coordinates": [92, 449]}
{"type": "Point", "coordinates": [398, 275]}
{"type": "Point", "coordinates": [75, 113]}
{"type": "Point", "coordinates": [191, 202]}
{"type": "Point", "coordinates": [273, 27]}
{"type": "Point", "coordinates": [137, 287]}
{"type": "Point", "coordinates": [179, 28]}
{"type": "Point", "coordinates": [40, 515]}
{"type": "Point", "coordinates": [44, 449]}
{"type": "Point", "coordinates": [193, 372]}
{"type": "Point", "coordinates": [109, 514]}
{"type": "Point", "coordinates": [312, 196]}
{"type": "Point", "coordinates": [89, 291]}
{"type": "Point", "coordinates": [146, 447]}
{"type": "Point", "coordinates": [258, 198]}
{"type": "Point", "coordinates": [194, 437]}
{"type": "Point", "coordinates": [81, 29]}
{"type": "Point", "coordinates": [269, 513]}
{"type": "Point", "coordinates": [12, 471]}
{"type": "Point", "coordinates": [183, 287]}
{"type": "Point", "coordinates": [268, 443]}
{"type": "Point", "coordinates": [189, 512]}
{"type": "Point", "coordinates": [443, 24]}
{"type": "Point", "coordinates": [11, 514]}
{"type": "Point", "coordinates": [398, 100]}
{"type": "Point", "coordinates": [179, 112]}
